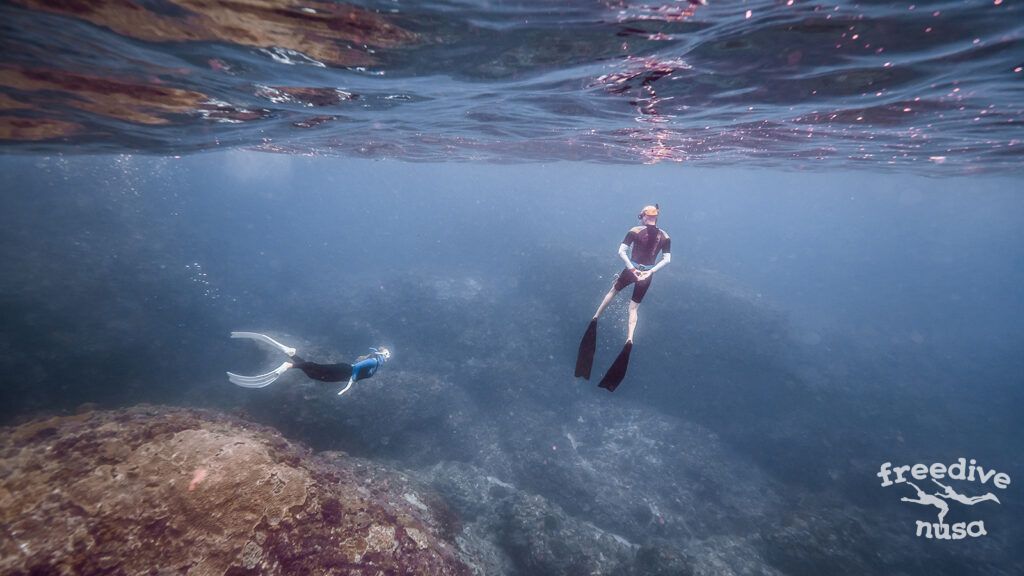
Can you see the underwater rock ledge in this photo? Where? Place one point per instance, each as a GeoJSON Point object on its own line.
{"type": "Point", "coordinates": [154, 489]}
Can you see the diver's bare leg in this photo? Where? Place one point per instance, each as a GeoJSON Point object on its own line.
{"type": "Point", "coordinates": [604, 303]}
{"type": "Point", "coordinates": [632, 319]}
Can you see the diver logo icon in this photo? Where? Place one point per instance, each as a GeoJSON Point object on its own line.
{"type": "Point", "coordinates": [940, 499]}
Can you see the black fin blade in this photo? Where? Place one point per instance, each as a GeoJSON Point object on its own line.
{"type": "Point", "coordinates": [617, 372]}
{"type": "Point", "coordinates": [585, 357]}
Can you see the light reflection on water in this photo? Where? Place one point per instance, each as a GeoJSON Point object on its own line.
{"type": "Point", "coordinates": [792, 84]}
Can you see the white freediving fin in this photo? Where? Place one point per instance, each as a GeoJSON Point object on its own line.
{"type": "Point", "coordinates": [261, 380]}
{"type": "Point", "coordinates": [266, 339]}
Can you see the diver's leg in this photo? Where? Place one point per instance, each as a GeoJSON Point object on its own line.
{"type": "Point", "coordinates": [324, 372]}
{"type": "Point", "coordinates": [585, 356]}
{"type": "Point", "coordinates": [624, 278]}
{"type": "Point", "coordinates": [604, 303]}
{"type": "Point", "coordinates": [632, 319]}
{"type": "Point", "coordinates": [639, 291]}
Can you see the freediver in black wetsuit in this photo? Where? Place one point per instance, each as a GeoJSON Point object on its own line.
{"type": "Point", "coordinates": [646, 242]}
{"type": "Point", "coordinates": [365, 366]}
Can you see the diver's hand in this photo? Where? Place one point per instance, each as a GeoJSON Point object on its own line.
{"type": "Point", "coordinates": [642, 275]}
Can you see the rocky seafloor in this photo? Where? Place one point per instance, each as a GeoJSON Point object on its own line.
{"type": "Point", "coordinates": [613, 491]}
{"type": "Point", "coordinates": [166, 490]}
{"type": "Point", "coordinates": [197, 491]}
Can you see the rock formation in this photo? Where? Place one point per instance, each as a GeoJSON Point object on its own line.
{"type": "Point", "coordinates": [192, 491]}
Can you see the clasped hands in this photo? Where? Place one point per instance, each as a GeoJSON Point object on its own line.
{"type": "Point", "coordinates": [641, 275]}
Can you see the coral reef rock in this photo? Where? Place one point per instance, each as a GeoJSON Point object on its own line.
{"type": "Point", "coordinates": [155, 490]}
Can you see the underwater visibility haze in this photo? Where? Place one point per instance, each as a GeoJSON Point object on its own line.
{"type": "Point", "coordinates": [826, 378]}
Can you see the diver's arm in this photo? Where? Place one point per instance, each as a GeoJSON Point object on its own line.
{"type": "Point", "coordinates": [665, 259]}
{"type": "Point", "coordinates": [625, 257]}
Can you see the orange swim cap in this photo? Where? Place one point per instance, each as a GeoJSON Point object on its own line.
{"type": "Point", "coordinates": [649, 211]}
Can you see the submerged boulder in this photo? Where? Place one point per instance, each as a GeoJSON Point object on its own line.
{"type": "Point", "coordinates": [152, 489]}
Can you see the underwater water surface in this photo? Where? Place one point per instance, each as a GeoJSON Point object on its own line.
{"type": "Point", "coordinates": [451, 180]}
{"type": "Point", "coordinates": [929, 86]}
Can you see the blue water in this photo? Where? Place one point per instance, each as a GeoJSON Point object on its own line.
{"type": "Point", "coordinates": [452, 180]}
{"type": "Point", "coordinates": [933, 86]}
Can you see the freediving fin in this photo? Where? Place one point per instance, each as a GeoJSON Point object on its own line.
{"type": "Point", "coordinates": [261, 380]}
{"type": "Point", "coordinates": [585, 358]}
{"type": "Point", "coordinates": [617, 372]}
{"type": "Point", "coordinates": [264, 338]}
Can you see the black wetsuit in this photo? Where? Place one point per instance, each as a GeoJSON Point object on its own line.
{"type": "Point", "coordinates": [363, 368]}
{"type": "Point", "coordinates": [646, 243]}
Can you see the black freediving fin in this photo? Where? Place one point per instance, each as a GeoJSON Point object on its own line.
{"type": "Point", "coordinates": [617, 372]}
{"type": "Point", "coordinates": [585, 358]}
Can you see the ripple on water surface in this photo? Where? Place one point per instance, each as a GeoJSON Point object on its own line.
{"type": "Point", "coordinates": [784, 83]}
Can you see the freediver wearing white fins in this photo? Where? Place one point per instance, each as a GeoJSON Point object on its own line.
{"type": "Point", "coordinates": [365, 366]}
